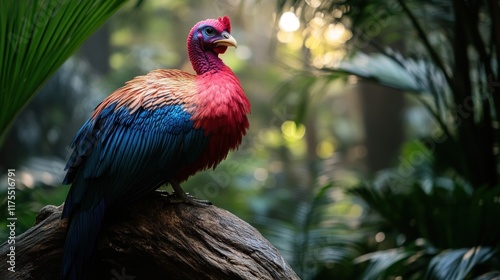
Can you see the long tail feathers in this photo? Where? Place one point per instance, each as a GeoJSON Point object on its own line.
{"type": "Point", "coordinates": [82, 233]}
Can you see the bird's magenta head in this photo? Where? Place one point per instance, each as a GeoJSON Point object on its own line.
{"type": "Point", "coordinates": [212, 35]}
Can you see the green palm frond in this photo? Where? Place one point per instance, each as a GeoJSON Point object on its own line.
{"type": "Point", "coordinates": [392, 71]}
{"type": "Point", "coordinates": [410, 262]}
{"type": "Point", "coordinates": [36, 37]}
{"type": "Point", "coordinates": [457, 263]}
{"type": "Point", "coordinates": [387, 264]}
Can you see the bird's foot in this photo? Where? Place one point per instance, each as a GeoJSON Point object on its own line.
{"type": "Point", "coordinates": [179, 196]}
{"type": "Point", "coordinates": [163, 192]}
{"type": "Point", "coordinates": [188, 199]}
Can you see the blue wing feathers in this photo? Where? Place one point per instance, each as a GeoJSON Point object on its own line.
{"type": "Point", "coordinates": [80, 241]}
{"type": "Point", "coordinates": [118, 157]}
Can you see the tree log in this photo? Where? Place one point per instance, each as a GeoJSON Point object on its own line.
{"type": "Point", "coordinates": [153, 239]}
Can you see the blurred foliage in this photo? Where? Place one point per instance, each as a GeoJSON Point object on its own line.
{"type": "Point", "coordinates": [319, 234]}
{"type": "Point", "coordinates": [424, 204]}
{"type": "Point", "coordinates": [437, 226]}
{"type": "Point", "coordinates": [433, 215]}
{"type": "Point", "coordinates": [28, 203]}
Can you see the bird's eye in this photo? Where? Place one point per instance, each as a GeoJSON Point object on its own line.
{"type": "Point", "coordinates": [209, 31]}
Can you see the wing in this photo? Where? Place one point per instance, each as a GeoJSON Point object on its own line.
{"type": "Point", "coordinates": [127, 150]}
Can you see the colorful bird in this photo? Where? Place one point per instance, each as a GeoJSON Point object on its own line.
{"type": "Point", "coordinates": [158, 129]}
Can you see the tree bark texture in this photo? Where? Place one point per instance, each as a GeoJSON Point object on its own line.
{"type": "Point", "coordinates": [153, 239]}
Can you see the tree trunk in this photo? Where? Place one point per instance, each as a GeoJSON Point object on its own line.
{"type": "Point", "coordinates": [153, 239]}
{"type": "Point", "coordinates": [382, 111]}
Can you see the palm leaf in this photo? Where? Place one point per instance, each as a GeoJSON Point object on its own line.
{"type": "Point", "coordinates": [387, 263]}
{"type": "Point", "coordinates": [489, 276]}
{"type": "Point", "coordinates": [390, 71]}
{"type": "Point", "coordinates": [456, 264]}
{"type": "Point", "coordinates": [36, 37]}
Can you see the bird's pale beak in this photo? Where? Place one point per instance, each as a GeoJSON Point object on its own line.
{"type": "Point", "coordinates": [228, 41]}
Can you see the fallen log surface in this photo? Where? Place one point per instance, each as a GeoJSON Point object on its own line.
{"type": "Point", "coordinates": [153, 239]}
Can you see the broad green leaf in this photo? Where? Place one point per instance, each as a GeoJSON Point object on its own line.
{"type": "Point", "coordinates": [382, 69]}
{"type": "Point", "coordinates": [36, 37]}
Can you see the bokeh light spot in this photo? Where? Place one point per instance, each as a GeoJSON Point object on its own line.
{"type": "Point", "coordinates": [325, 149]}
{"type": "Point", "coordinates": [291, 131]}
{"type": "Point", "coordinates": [289, 22]}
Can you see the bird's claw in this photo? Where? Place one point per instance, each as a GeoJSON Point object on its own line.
{"type": "Point", "coordinates": [180, 196]}
{"type": "Point", "coordinates": [163, 193]}
{"type": "Point", "coordinates": [187, 198]}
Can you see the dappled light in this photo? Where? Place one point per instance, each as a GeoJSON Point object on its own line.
{"type": "Point", "coordinates": [324, 35]}
{"type": "Point", "coordinates": [289, 22]}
